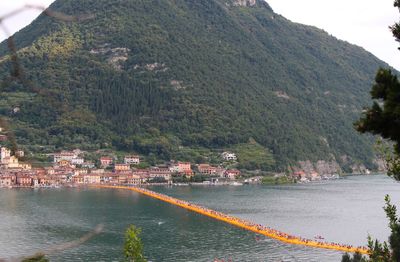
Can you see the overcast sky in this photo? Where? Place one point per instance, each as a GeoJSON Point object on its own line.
{"type": "Point", "coordinates": [361, 22]}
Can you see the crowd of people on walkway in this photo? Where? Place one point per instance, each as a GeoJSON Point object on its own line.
{"type": "Point", "coordinates": [258, 228]}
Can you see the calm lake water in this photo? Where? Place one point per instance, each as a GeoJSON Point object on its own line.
{"type": "Point", "coordinates": [345, 211]}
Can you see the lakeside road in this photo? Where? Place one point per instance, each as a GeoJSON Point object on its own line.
{"type": "Point", "coordinates": [257, 228]}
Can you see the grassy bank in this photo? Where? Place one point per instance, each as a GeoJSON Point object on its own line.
{"type": "Point", "coordinates": [270, 180]}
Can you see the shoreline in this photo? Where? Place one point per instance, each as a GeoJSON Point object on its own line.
{"type": "Point", "coordinates": [195, 184]}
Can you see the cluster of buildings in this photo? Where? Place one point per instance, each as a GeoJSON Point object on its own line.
{"type": "Point", "coordinates": [69, 168]}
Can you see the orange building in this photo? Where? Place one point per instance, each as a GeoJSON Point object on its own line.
{"type": "Point", "coordinates": [184, 167]}
{"type": "Point", "coordinates": [24, 180]}
{"type": "Point", "coordinates": [206, 169]}
{"type": "Point", "coordinates": [122, 167]}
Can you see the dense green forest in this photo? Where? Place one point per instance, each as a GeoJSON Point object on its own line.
{"type": "Point", "coordinates": [184, 79]}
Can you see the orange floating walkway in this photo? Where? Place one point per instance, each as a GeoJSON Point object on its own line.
{"type": "Point", "coordinates": [263, 230]}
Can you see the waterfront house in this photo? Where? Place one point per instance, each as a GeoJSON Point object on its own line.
{"type": "Point", "coordinates": [158, 172]}
{"type": "Point", "coordinates": [206, 169]}
{"type": "Point", "coordinates": [184, 167]}
{"type": "Point", "coordinates": [132, 160]}
{"type": "Point", "coordinates": [91, 178]}
{"type": "Point", "coordinates": [122, 179]}
{"type": "Point", "coordinates": [188, 173]}
{"type": "Point", "coordinates": [24, 180]}
{"type": "Point", "coordinates": [232, 174]}
{"type": "Point", "coordinates": [79, 179]}
{"type": "Point", "coordinates": [5, 181]}
{"type": "Point", "coordinates": [134, 179]}
{"type": "Point", "coordinates": [220, 171]}
{"type": "Point", "coordinates": [143, 174]}
{"type": "Point", "coordinates": [315, 176]}
{"type": "Point", "coordinates": [110, 178]}
{"type": "Point", "coordinates": [300, 175]}
{"type": "Point", "coordinates": [43, 180]}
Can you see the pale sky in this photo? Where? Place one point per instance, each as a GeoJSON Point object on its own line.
{"type": "Point", "coordinates": [361, 22]}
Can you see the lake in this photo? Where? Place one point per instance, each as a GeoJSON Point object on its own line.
{"type": "Point", "coordinates": [344, 211]}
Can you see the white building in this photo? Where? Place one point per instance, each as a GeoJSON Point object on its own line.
{"type": "Point", "coordinates": [132, 160]}
{"type": "Point", "coordinates": [88, 165]}
{"type": "Point", "coordinates": [64, 155]}
{"type": "Point", "coordinates": [229, 156]}
{"type": "Point", "coordinates": [77, 161]}
{"type": "Point", "coordinates": [5, 153]}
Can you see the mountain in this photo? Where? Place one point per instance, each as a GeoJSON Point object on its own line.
{"type": "Point", "coordinates": [186, 79]}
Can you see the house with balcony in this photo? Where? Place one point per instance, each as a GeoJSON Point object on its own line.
{"type": "Point", "coordinates": [132, 160]}
{"type": "Point", "coordinates": [122, 167]}
{"type": "Point", "coordinates": [106, 161]}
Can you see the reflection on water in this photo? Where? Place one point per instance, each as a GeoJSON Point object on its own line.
{"type": "Point", "coordinates": [342, 211]}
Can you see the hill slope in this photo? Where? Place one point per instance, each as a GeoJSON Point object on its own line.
{"type": "Point", "coordinates": [161, 76]}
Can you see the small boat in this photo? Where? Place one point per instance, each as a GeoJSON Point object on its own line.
{"type": "Point", "coordinates": [237, 184]}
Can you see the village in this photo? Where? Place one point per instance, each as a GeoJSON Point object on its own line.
{"type": "Point", "coordinates": [70, 169]}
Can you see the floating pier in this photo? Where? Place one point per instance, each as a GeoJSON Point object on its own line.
{"type": "Point", "coordinates": [238, 222]}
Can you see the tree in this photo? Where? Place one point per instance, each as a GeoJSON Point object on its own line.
{"type": "Point", "coordinates": [382, 252]}
{"type": "Point", "coordinates": [356, 258]}
{"type": "Point", "coordinates": [383, 119]}
{"type": "Point", "coordinates": [133, 247]}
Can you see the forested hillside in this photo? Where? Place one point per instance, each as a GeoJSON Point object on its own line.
{"type": "Point", "coordinates": [180, 79]}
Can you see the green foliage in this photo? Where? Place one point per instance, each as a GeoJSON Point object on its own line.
{"type": "Point", "coordinates": [133, 247]}
{"type": "Point", "coordinates": [157, 180]}
{"type": "Point", "coordinates": [252, 156]}
{"type": "Point", "coordinates": [396, 27]}
{"type": "Point", "coordinates": [269, 180]}
{"type": "Point", "coordinates": [36, 258]}
{"type": "Point", "coordinates": [394, 225]}
{"type": "Point", "coordinates": [179, 179]}
{"type": "Point", "coordinates": [384, 115]}
{"type": "Point", "coordinates": [198, 76]}
{"type": "Point", "coordinates": [357, 257]}
{"type": "Point", "coordinates": [392, 160]}
{"type": "Point", "coordinates": [383, 119]}
{"type": "Point", "coordinates": [198, 178]}
{"type": "Point", "coordinates": [383, 252]}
